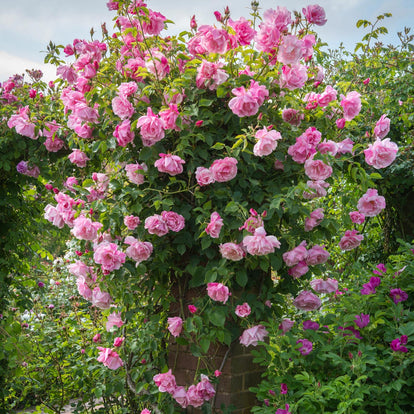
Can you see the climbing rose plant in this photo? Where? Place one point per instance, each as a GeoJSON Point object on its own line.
{"type": "Point", "coordinates": [194, 174]}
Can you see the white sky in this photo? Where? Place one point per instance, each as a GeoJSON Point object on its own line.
{"type": "Point", "coordinates": [27, 26]}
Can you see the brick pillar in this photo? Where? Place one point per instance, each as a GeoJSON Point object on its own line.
{"type": "Point", "coordinates": [238, 374]}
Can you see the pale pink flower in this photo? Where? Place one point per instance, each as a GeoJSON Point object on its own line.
{"type": "Point", "coordinates": [135, 172]}
{"type": "Point", "coordinates": [204, 176]}
{"type": "Point", "coordinates": [286, 325]}
{"type": "Point", "coordinates": [170, 164]}
{"type": "Point", "coordinates": [180, 396]}
{"type": "Point", "coordinates": [244, 32]}
{"type": "Point", "coordinates": [108, 256]}
{"type": "Point", "coordinates": [317, 255]}
{"type": "Point", "coordinates": [100, 299]}
{"type": "Point", "coordinates": [317, 169]}
{"type": "Point", "coordinates": [328, 146]}
{"type": "Point", "coordinates": [114, 319]}
{"type": "Point", "coordinates": [324, 286]}
{"type": "Point", "coordinates": [70, 182]}
{"type": "Point", "coordinates": [307, 301]}
{"type": "Point", "coordinates": [165, 382]}
{"type": "Point", "coordinates": [266, 142]}
{"type": "Point", "coordinates": [79, 269]}
{"type": "Point", "coordinates": [224, 169]}
{"type": "Point", "coordinates": [78, 158]}
{"type": "Point", "coordinates": [244, 104]}
{"type": "Point", "coordinates": [350, 240]}
{"type": "Point", "coordinates": [175, 222]}
{"type": "Point", "coordinates": [312, 136]}
{"type": "Point", "coordinates": [314, 220]}
{"type": "Point", "coordinates": [259, 244]}
{"type": "Point", "coordinates": [357, 217]}
{"type": "Point", "coordinates": [267, 38]}
{"type": "Point", "coordinates": [152, 128]}
{"type": "Point", "coordinates": [218, 292]}
{"type": "Point", "coordinates": [122, 107]}
{"type": "Point", "coordinates": [205, 389]}
{"type": "Point", "coordinates": [319, 189]}
{"type": "Point", "coordinates": [213, 40]}
{"type": "Point", "coordinates": [157, 64]}
{"type": "Point", "coordinates": [298, 270]}
{"type": "Point", "coordinates": [131, 222]}
{"type": "Point", "coordinates": [301, 150]}
{"type": "Point", "coordinates": [53, 144]}
{"type": "Point", "coordinates": [127, 88]}
{"type": "Point", "coordinates": [345, 146]}
{"type": "Point", "coordinates": [351, 105]}
{"type": "Point", "coordinates": [53, 215]}
{"type": "Point", "coordinates": [194, 399]}
{"type": "Point", "coordinates": [382, 127]}
{"type": "Point", "coordinates": [371, 204]}
{"type": "Point", "coordinates": [214, 226]}
{"type": "Point", "coordinates": [296, 255]}
{"type": "Point", "coordinates": [138, 250]}
{"type": "Point", "coordinates": [109, 358]}
{"type": "Point", "coordinates": [169, 117]}
{"type": "Point", "coordinates": [175, 325]}
{"type": "Point", "coordinates": [85, 229]}
{"type": "Point", "coordinates": [290, 50]}
{"type": "Point", "coordinates": [315, 14]}
{"type": "Point", "coordinates": [210, 75]}
{"type": "Point", "coordinates": [293, 77]}
{"type": "Point", "coordinates": [279, 17]}
{"type": "Point", "coordinates": [243, 310]}
{"type": "Point", "coordinates": [156, 225]}
{"type": "Point", "coordinates": [123, 133]}
{"type": "Point", "coordinates": [253, 335]}
{"type": "Point", "coordinates": [381, 154]}
{"type": "Point", "coordinates": [231, 251]}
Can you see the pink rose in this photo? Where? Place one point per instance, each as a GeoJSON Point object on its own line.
{"type": "Point", "coordinates": [109, 358]}
{"type": "Point", "coordinates": [296, 255]}
{"type": "Point", "coordinates": [266, 142]}
{"type": "Point", "coordinates": [301, 150]}
{"type": "Point", "coordinates": [78, 158]}
{"type": "Point", "coordinates": [351, 105]}
{"type": "Point", "coordinates": [157, 64]}
{"type": "Point", "coordinates": [298, 270]}
{"type": "Point", "coordinates": [165, 382]}
{"type": "Point", "coordinates": [175, 222]}
{"type": "Point", "coordinates": [152, 128]}
{"type": "Point", "coordinates": [324, 286]}
{"type": "Point", "coordinates": [371, 204]}
{"type": "Point", "coordinates": [286, 325]}
{"type": "Point", "coordinates": [267, 38]}
{"type": "Point", "coordinates": [53, 215]}
{"type": "Point", "coordinates": [101, 300]}
{"type": "Point", "coordinates": [135, 172]}
{"type": "Point", "coordinates": [131, 222]}
{"type": "Point", "coordinates": [293, 77]}
{"type": "Point", "coordinates": [317, 169]}
{"type": "Point", "coordinates": [253, 335]}
{"type": "Point", "coordinates": [194, 399]}
{"type": "Point", "coordinates": [114, 319]}
{"type": "Point", "coordinates": [216, 223]}
{"type": "Point", "coordinates": [292, 116]}
{"type": "Point", "coordinates": [210, 74]}
{"type": "Point", "coordinates": [123, 133]}
{"type": "Point", "coordinates": [328, 146]}
{"type": "Point", "coordinates": [317, 255]}
{"type": "Point", "coordinates": [218, 292]}
{"type": "Point", "coordinates": [138, 250]}
{"type": "Point", "coordinates": [306, 347]}
{"type": "Point", "coordinates": [156, 225]}
{"type": "Point", "coordinates": [224, 170]}
{"type": "Point", "coordinates": [53, 144]}
{"type": "Point", "coordinates": [205, 389]}
{"type": "Point", "coordinates": [381, 154]}
{"type": "Point", "coordinates": [204, 176]}
{"type": "Point", "coordinates": [310, 325]}
{"type": "Point", "coordinates": [345, 146]}
{"type": "Point", "coordinates": [327, 96]}
{"type": "Point", "coordinates": [314, 220]}
{"type": "Point", "coordinates": [244, 104]}
{"type": "Point", "coordinates": [243, 310]}
{"type": "Point", "coordinates": [180, 396]}
{"type": "Point", "coordinates": [79, 269]}
{"type": "Point", "coordinates": [244, 32]}
{"type": "Point", "coordinates": [357, 217]}
{"type": "Point", "coordinates": [350, 240]}
{"type": "Point", "coordinates": [213, 40]}
{"type": "Point", "coordinates": [108, 256]}
{"type": "Point", "coordinates": [171, 164]}
{"type": "Point", "coordinates": [127, 88]}
{"type": "Point", "coordinates": [118, 341]}
{"type": "Point", "coordinates": [340, 123]}
{"type": "Point", "coordinates": [315, 14]}
{"type": "Point", "coordinates": [259, 244]}
{"type": "Point", "coordinates": [307, 301]}
{"type": "Point", "coordinates": [175, 325]}
{"type": "Point", "coordinates": [290, 50]}
{"type": "Point", "coordinates": [85, 229]}
{"type": "Point", "coordinates": [122, 107]}
{"type": "Point", "coordinates": [231, 251]}
{"type": "Point", "coordinates": [382, 127]}
{"type": "Point", "coordinates": [319, 189]}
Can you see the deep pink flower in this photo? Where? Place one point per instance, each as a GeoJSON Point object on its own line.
{"type": "Point", "coordinates": [138, 250]}
{"type": "Point", "coordinates": [351, 105]}
{"type": "Point", "coordinates": [152, 128]}
{"type": "Point", "coordinates": [316, 217]}
{"type": "Point", "coordinates": [123, 133]}
{"type": "Point", "coordinates": [214, 226]}
{"type": "Point", "coordinates": [292, 116]}
{"type": "Point", "coordinates": [317, 255]}
{"type": "Point", "coordinates": [244, 32]}
{"type": "Point", "coordinates": [301, 150]}
{"type": "Point", "coordinates": [306, 347]}
{"type": "Point", "coordinates": [286, 325]}
{"type": "Point", "coordinates": [315, 14]}
{"type": "Point", "coordinates": [118, 341]}
{"type": "Point", "coordinates": [78, 158]}
{"type": "Point", "coordinates": [224, 169]}
{"type": "Point", "coordinates": [175, 222]}
{"type": "Point", "coordinates": [283, 411]}
{"type": "Point", "coordinates": [243, 310]}
{"type": "Point", "coordinates": [307, 301]}
{"type": "Point", "coordinates": [156, 225]}
{"type": "Point", "coordinates": [357, 217]}
{"type": "Point", "coordinates": [192, 309]}
{"type": "Point", "coordinates": [114, 319]}
{"type": "Point", "coordinates": [299, 269]}
{"type": "Point", "coordinates": [210, 75]}
{"type": "Point", "coordinates": [310, 325]}
{"type": "Point", "coordinates": [131, 222]}
{"type": "Point", "coordinates": [398, 295]}
{"type": "Point", "coordinates": [108, 256]}
{"type": "Point", "coordinates": [296, 255]}
{"type": "Point", "coordinates": [293, 77]}
{"type": "Point", "coordinates": [165, 382]}
{"type": "Point", "coordinates": [170, 164]}
{"type": "Point", "coordinates": [396, 344]}
{"type": "Point", "coordinates": [362, 320]}
{"type": "Point", "coordinates": [85, 229]}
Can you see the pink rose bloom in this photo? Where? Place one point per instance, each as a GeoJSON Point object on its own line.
{"type": "Point", "coordinates": [210, 75]}
{"type": "Point", "coordinates": [301, 150]}
{"type": "Point", "coordinates": [78, 158]}
{"type": "Point", "coordinates": [79, 269]}
{"type": "Point", "coordinates": [101, 300]}
{"type": "Point", "coordinates": [53, 144]}
{"type": "Point", "coordinates": [216, 223]}
{"type": "Point", "coordinates": [371, 204]}
{"type": "Point", "coordinates": [381, 154]}
{"type": "Point", "coordinates": [114, 319]}
{"type": "Point", "coordinates": [204, 176]}
{"type": "Point", "coordinates": [108, 256]}
{"type": "Point", "coordinates": [306, 347]}
{"type": "Point", "coordinates": [259, 244]}
{"type": "Point", "coordinates": [169, 117]}
{"type": "Point", "coordinates": [382, 127]}
{"type": "Point", "coordinates": [310, 325]}
{"type": "Point", "coordinates": [155, 24]}
{"type": "Point", "coordinates": [180, 396]}
{"type": "Point", "coordinates": [131, 222]}
{"type": "Point", "coordinates": [205, 389]}
{"type": "Point", "coordinates": [122, 107]}
{"type": "Point", "coordinates": [83, 288]}
{"type": "Point", "coordinates": [127, 89]}
{"type": "Point", "coordinates": [280, 18]}
{"type": "Point", "coordinates": [327, 96]}
{"type": "Point", "coordinates": [244, 104]}
{"type": "Point", "coordinates": [351, 105]}
{"type": "Point", "coordinates": [345, 146]}
{"type": "Point", "coordinates": [357, 217]}
{"type": "Point", "coordinates": [292, 116]}
{"type": "Point", "coordinates": [53, 215]}
{"type": "Point", "coordinates": [398, 295]}
{"type": "Point", "coordinates": [266, 142]}
{"type": "Point", "coordinates": [152, 128]}
{"type": "Point", "coordinates": [253, 335]}
{"type": "Point", "coordinates": [286, 325]}
{"type": "Point", "coordinates": [293, 77]}
{"type": "Point", "coordinates": [97, 338]}
{"type": "Point", "coordinates": [317, 169]}
{"type": "Point", "coordinates": [213, 40]}
{"type": "Point", "coordinates": [328, 146]}
{"type": "Point", "coordinates": [170, 164]}
{"type": "Point", "coordinates": [157, 64]}
{"type": "Point", "coordinates": [135, 172]}
{"type": "Point", "coordinates": [315, 14]}
{"type": "Point", "coordinates": [319, 189]}
{"type": "Point", "coordinates": [324, 286]}
{"type": "Point", "coordinates": [267, 39]}
{"type": "Point", "coordinates": [175, 325]}
{"type": "Point", "coordinates": [194, 399]}
{"type": "Point", "coordinates": [244, 32]}
{"type": "Point", "coordinates": [290, 51]}
{"type": "Point", "coordinates": [192, 309]}
{"type": "Point", "coordinates": [312, 136]}
{"type": "Point", "coordinates": [156, 225]}
{"type": "Point", "coordinates": [340, 123]}
{"type": "Point", "coordinates": [317, 255]}
{"type": "Point", "coordinates": [296, 255]}
{"type": "Point", "coordinates": [70, 182]}
{"type": "Point", "coordinates": [224, 170]}
{"type": "Point", "coordinates": [362, 320]}
{"type": "Point", "coordinates": [298, 270]}
{"type": "Point", "coordinates": [109, 358]}
{"type": "Point", "coordinates": [350, 240]}
{"type": "Point", "coordinates": [307, 301]}
{"type": "Point", "coordinates": [175, 222]}
{"type": "Point", "coordinates": [165, 382]}
{"type": "Point", "coordinates": [85, 229]}
{"type": "Point", "coordinates": [231, 251]}
{"type": "Point", "coordinates": [118, 341]}
{"type": "Point", "coordinates": [123, 133]}
{"type": "Point", "coordinates": [138, 250]}
{"type": "Point", "coordinates": [253, 222]}
{"type": "Point", "coordinates": [243, 310]}
{"type": "Point", "coordinates": [218, 292]}
{"type": "Point", "coordinates": [314, 220]}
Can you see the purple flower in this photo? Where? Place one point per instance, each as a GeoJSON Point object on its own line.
{"type": "Point", "coordinates": [375, 281]}
{"type": "Point", "coordinates": [21, 167]}
{"type": "Point", "coordinates": [381, 269]}
{"type": "Point", "coordinates": [310, 325]}
{"type": "Point", "coordinates": [398, 295]}
{"type": "Point", "coordinates": [283, 388]}
{"type": "Point", "coordinates": [306, 347]}
{"type": "Point", "coordinates": [40, 284]}
{"type": "Point", "coordinates": [362, 320]}
{"type": "Point", "coordinates": [51, 306]}
{"type": "Point", "coordinates": [352, 329]}
{"type": "Point", "coordinates": [367, 289]}
{"type": "Point", "coordinates": [396, 344]}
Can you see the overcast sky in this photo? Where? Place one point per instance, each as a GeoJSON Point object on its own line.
{"type": "Point", "coordinates": [27, 26]}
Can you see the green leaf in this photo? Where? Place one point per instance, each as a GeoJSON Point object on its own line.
{"type": "Point", "coordinates": [241, 277]}
{"type": "Point", "coordinates": [218, 317]}
{"type": "Point", "coordinates": [205, 344]}
{"type": "Point", "coordinates": [205, 102]}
